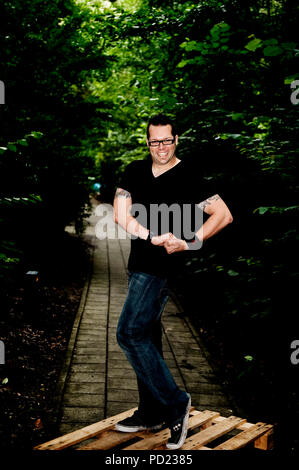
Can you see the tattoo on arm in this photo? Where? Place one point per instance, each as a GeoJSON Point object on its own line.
{"type": "Point", "coordinates": [122, 193]}
{"type": "Point", "coordinates": [202, 205]}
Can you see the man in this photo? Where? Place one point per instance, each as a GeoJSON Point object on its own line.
{"type": "Point", "coordinates": [162, 181]}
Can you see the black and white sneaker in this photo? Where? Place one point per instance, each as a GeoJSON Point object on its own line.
{"type": "Point", "coordinates": [134, 424]}
{"type": "Point", "coordinates": [179, 430]}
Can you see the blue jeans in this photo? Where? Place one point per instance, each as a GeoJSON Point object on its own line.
{"type": "Point", "coordinates": [139, 334]}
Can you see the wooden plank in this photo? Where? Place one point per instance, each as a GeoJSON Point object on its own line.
{"type": "Point", "coordinates": [242, 426]}
{"type": "Point", "coordinates": [109, 439]}
{"type": "Point", "coordinates": [163, 447]}
{"type": "Point", "coordinates": [161, 437]}
{"type": "Point", "coordinates": [211, 433]}
{"type": "Point", "coordinates": [150, 442]}
{"type": "Point", "coordinates": [265, 442]}
{"type": "Point", "coordinates": [84, 433]}
{"type": "Point", "coordinates": [245, 437]}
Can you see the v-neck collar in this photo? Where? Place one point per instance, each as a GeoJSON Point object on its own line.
{"type": "Point", "coordinates": [164, 172]}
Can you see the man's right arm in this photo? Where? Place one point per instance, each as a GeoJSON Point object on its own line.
{"type": "Point", "coordinates": [122, 214]}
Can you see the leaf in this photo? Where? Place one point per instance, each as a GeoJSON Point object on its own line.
{"type": "Point", "coordinates": [272, 51]}
{"type": "Point", "coordinates": [270, 42]}
{"type": "Point", "coordinates": [237, 116]}
{"type": "Point", "coordinates": [23, 142]}
{"type": "Point", "coordinates": [254, 44]}
{"type": "Point", "coordinates": [232, 273]}
{"type": "Point", "coordinates": [234, 136]}
{"type": "Point", "coordinates": [192, 46]}
{"type": "Point", "coordinates": [287, 81]}
{"type": "Point", "coordinates": [290, 208]}
{"type": "Point", "coordinates": [261, 210]}
{"type": "Point", "coordinates": [182, 64]}
{"type": "Point", "coordinates": [288, 45]}
{"type": "Point", "coordinates": [219, 28]}
{"type": "Point", "coordinates": [12, 147]}
{"type": "Point", "coordinates": [4, 381]}
{"type": "Point", "coordinates": [36, 134]}
{"type": "Point", "coordinates": [248, 358]}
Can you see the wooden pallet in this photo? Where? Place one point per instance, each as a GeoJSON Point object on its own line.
{"type": "Point", "coordinates": [204, 427]}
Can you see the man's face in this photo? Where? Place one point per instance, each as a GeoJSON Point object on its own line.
{"type": "Point", "coordinates": [163, 153]}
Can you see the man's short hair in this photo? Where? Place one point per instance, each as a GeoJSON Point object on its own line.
{"type": "Point", "coordinates": [161, 120]}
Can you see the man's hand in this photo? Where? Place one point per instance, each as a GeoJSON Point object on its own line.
{"type": "Point", "coordinates": [170, 243]}
{"type": "Point", "coordinates": [159, 240]}
{"type": "Point", "coordinates": [175, 245]}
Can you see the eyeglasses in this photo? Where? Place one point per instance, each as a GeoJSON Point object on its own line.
{"type": "Point", "coordinates": [156, 143]}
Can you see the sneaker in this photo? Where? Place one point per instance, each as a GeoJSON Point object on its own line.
{"type": "Point", "coordinates": [179, 430]}
{"type": "Point", "coordinates": [134, 424]}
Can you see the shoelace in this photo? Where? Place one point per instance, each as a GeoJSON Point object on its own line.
{"type": "Point", "coordinates": [177, 427]}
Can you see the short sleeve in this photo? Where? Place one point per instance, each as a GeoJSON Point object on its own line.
{"type": "Point", "coordinates": [126, 178]}
{"type": "Point", "coordinates": [197, 184]}
{"type": "Point", "coordinates": [208, 187]}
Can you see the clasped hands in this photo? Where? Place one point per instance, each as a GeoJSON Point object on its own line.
{"type": "Point", "coordinates": [170, 243]}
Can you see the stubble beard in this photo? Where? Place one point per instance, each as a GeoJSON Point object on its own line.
{"type": "Point", "coordinates": [159, 162]}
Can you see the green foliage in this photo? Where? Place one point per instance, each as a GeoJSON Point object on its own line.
{"type": "Point", "coordinates": [53, 54]}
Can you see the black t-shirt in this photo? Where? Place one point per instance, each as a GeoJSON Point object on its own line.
{"type": "Point", "coordinates": [166, 203]}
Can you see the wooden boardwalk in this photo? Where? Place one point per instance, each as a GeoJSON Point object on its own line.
{"type": "Point", "coordinates": [97, 381]}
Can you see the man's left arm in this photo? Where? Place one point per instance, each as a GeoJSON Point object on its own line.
{"type": "Point", "coordinates": [220, 216]}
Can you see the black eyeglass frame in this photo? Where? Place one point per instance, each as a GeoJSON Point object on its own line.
{"type": "Point", "coordinates": [156, 143]}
